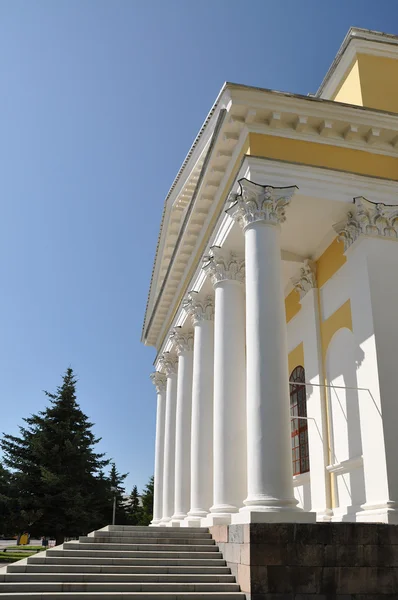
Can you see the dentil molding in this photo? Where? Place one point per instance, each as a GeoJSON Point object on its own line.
{"type": "Point", "coordinates": [199, 309]}
{"type": "Point", "coordinates": [159, 380]}
{"type": "Point", "coordinates": [259, 203]}
{"type": "Point", "coordinates": [221, 266]}
{"type": "Point", "coordinates": [368, 218]}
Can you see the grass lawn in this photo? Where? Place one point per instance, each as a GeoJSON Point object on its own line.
{"type": "Point", "coordinates": [14, 553]}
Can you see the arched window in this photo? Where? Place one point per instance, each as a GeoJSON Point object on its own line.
{"type": "Point", "coordinates": [298, 408]}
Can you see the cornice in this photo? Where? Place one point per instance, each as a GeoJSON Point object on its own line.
{"type": "Point", "coordinates": [246, 109]}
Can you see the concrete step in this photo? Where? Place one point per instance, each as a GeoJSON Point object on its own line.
{"type": "Point", "coordinates": [124, 554]}
{"type": "Point", "coordinates": [156, 532]}
{"type": "Point", "coordinates": [114, 538]}
{"type": "Point", "coordinates": [101, 568]}
{"type": "Point", "coordinates": [80, 577]}
{"type": "Point", "coordinates": [194, 530]}
{"type": "Point", "coordinates": [122, 596]}
{"type": "Point", "coordinates": [140, 562]}
{"type": "Point", "coordinates": [43, 587]}
{"type": "Point", "coordinates": [89, 545]}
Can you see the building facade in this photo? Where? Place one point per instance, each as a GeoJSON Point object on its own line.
{"type": "Point", "coordinates": [273, 305]}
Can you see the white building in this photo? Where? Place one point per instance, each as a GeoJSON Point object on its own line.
{"type": "Point", "coordinates": [276, 280]}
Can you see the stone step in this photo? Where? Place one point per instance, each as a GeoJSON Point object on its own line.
{"type": "Point", "coordinates": [80, 577]}
{"type": "Point", "coordinates": [194, 530]}
{"type": "Point", "coordinates": [156, 532]}
{"type": "Point", "coordinates": [139, 562]}
{"type": "Point", "coordinates": [123, 596]}
{"type": "Point", "coordinates": [97, 553]}
{"type": "Point", "coordinates": [29, 586]}
{"type": "Point", "coordinates": [101, 568]}
{"type": "Point", "coordinates": [113, 539]}
{"type": "Point", "coordinates": [89, 545]}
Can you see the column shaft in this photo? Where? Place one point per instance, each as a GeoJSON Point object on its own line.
{"type": "Point", "coordinates": [202, 420]}
{"type": "Point", "coordinates": [169, 448]}
{"type": "Point", "coordinates": [230, 479]}
{"type": "Point", "coordinates": [160, 381]}
{"type": "Point", "coordinates": [269, 457]}
{"type": "Point", "coordinates": [182, 488]}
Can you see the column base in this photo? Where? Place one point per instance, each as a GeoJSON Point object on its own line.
{"type": "Point", "coordinates": [261, 514]}
{"type": "Point", "coordinates": [155, 523]}
{"type": "Point", "coordinates": [217, 519]}
{"type": "Point", "coordinates": [324, 516]}
{"type": "Point", "coordinates": [195, 519]}
{"type": "Point", "coordinates": [385, 512]}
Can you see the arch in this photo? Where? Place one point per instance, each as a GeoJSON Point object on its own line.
{"type": "Point", "coordinates": [299, 425]}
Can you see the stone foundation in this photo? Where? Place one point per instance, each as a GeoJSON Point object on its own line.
{"type": "Point", "coordinates": [320, 561]}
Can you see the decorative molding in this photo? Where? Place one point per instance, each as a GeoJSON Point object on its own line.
{"type": "Point", "coordinates": [159, 380]}
{"type": "Point", "coordinates": [199, 310]}
{"type": "Point", "coordinates": [221, 266]}
{"type": "Point", "coordinates": [345, 466]}
{"type": "Point", "coordinates": [306, 281]}
{"type": "Point", "coordinates": [168, 363]}
{"type": "Point", "coordinates": [368, 218]}
{"type": "Point", "coordinates": [182, 342]}
{"type": "Point", "coordinates": [259, 203]}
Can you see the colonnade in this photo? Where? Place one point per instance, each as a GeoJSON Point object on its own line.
{"type": "Point", "coordinates": [223, 423]}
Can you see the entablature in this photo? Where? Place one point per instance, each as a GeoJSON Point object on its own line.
{"type": "Point", "coordinates": [195, 202]}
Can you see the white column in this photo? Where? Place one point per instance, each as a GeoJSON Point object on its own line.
{"type": "Point", "coordinates": [183, 344]}
{"type": "Point", "coordinates": [306, 285]}
{"type": "Point", "coordinates": [260, 210]}
{"type": "Point", "coordinates": [202, 314]}
{"type": "Point", "coordinates": [159, 380]}
{"type": "Point", "coordinates": [230, 456]}
{"type": "Point", "coordinates": [168, 363]}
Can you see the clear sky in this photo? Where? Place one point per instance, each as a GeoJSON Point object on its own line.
{"type": "Point", "coordinates": [100, 101]}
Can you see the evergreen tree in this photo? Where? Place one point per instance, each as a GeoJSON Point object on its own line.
{"type": "Point", "coordinates": [147, 503]}
{"type": "Point", "coordinates": [6, 526]}
{"type": "Point", "coordinates": [55, 467]}
{"type": "Point", "coordinates": [117, 489]}
{"type": "Point", "coordinates": [135, 510]}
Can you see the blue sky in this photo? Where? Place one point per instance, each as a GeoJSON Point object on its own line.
{"type": "Point", "coordinates": [100, 101]}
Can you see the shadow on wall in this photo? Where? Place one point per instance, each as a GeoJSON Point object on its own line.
{"type": "Point", "coordinates": [343, 357]}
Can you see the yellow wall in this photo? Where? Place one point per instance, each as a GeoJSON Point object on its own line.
{"type": "Point", "coordinates": [350, 89]}
{"type": "Point", "coordinates": [323, 155]}
{"type": "Point", "coordinates": [296, 357]}
{"type": "Point", "coordinates": [292, 305]}
{"type": "Point", "coordinates": [330, 262]}
{"type": "Point", "coordinates": [371, 81]}
{"type": "Point", "coordinates": [379, 82]}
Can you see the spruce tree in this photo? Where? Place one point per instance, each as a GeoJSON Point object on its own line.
{"type": "Point", "coordinates": [117, 489]}
{"type": "Point", "coordinates": [147, 503]}
{"type": "Point", "coordinates": [6, 504]}
{"type": "Point", "coordinates": [134, 508]}
{"type": "Point", "coordinates": [54, 467]}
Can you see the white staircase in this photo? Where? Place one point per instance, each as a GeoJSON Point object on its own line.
{"type": "Point", "coordinates": [120, 562]}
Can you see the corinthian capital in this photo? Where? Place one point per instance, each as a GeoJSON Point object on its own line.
{"type": "Point", "coordinates": [168, 363]}
{"type": "Point", "coordinates": [182, 342]}
{"type": "Point", "coordinates": [221, 266]}
{"type": "Point", "coordinates": [159, 380]}
{"type": "Point", "coordinates": [368, 218]}
{"type": "Point", "coordinates": [198, 309]}
{"type": "Point", "coordinates": [259, 203]}
{"type": "Point", "coordinates": [307, 278]}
